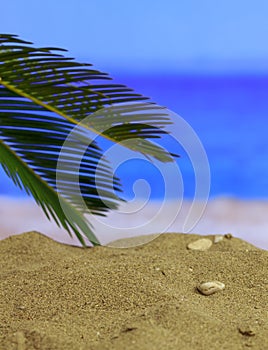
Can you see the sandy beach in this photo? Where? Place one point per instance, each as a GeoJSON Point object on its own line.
{"type": "Point", "coordinates": [145, 297]}
{"type": "Point", "coordinates": [55, 296]}
{"type": "Point", "coordinates": [244, 219]}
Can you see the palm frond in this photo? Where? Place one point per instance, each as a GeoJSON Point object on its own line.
{"type": "Point", "coordinates": [43, 95]}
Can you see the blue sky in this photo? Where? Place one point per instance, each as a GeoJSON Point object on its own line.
{"type": "Point", "coordinates": [150, 35]}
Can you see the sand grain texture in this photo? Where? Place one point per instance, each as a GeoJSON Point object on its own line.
{"type": "Point", "coordinates": [54, 296]}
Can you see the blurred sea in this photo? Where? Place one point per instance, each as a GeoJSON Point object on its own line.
{"type": "Point", "coordinates": [230, 116]}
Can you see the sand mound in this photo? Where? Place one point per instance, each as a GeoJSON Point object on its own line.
{"type": "Point", "coordinates": [54, 296]}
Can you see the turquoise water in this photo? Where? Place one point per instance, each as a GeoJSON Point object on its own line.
{"type": "Point", "coordinates": [230, 116]}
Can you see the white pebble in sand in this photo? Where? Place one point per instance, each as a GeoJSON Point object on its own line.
{"type": "Point", "coordinates": [218, 238]}
{"type": "Point", "coordinates": [208, 288]}
{"type": "Point", "coordinates": [201, 244]}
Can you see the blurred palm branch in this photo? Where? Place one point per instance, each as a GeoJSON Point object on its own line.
{"type": "Point", "coordinates": [44, 96]}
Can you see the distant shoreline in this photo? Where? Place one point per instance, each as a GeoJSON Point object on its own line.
{"type": "Point", "coordinates": [245, 219]}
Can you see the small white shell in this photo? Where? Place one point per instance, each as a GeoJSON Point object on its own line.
{"type": "Point", "coordinates": [201, 244]}
{"type": "Point", "coordinates": [208, 288]}
{"type": "Point", "coordinates": [218, 238]}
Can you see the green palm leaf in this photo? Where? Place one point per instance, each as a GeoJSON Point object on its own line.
{"type": "Point", "coordinates": [42, 96]}
{"type": "Point", "coordinates": [29, 155]}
